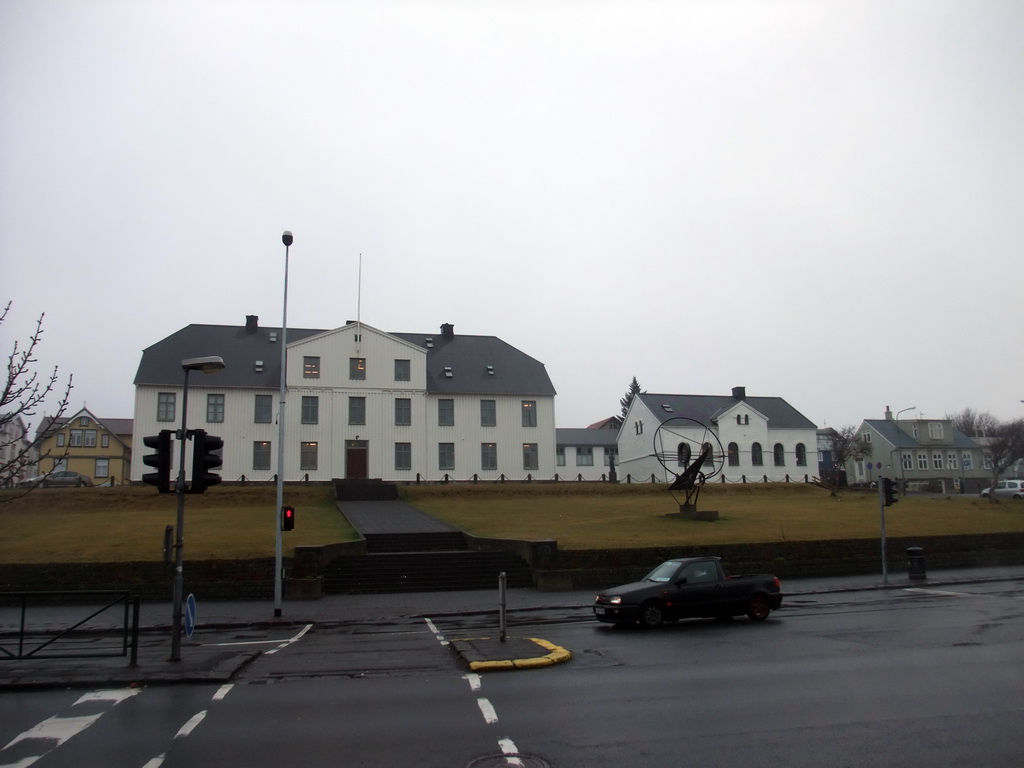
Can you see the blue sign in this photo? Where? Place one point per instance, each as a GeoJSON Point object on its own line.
{"type": "Point", "coordinates": [190, 614]}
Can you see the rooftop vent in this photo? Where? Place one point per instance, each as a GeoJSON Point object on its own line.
{"type": "Point", "coordinates": [666, 407]}
{"type": "Point", "coordinates": [490, 370]}
{"type": "Point", "coordinates": [447, 371]}
{"type": "Point", "coordinates": [259, 366]}
{"type": "Point", "coordinates": [430, 342]}
{"type": "Point", "coordinates": [273, 337]}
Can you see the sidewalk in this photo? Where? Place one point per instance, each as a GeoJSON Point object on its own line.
{"type": "Point", "coordinates": [211, 664]}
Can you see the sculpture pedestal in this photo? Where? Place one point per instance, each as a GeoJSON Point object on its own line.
{"type": "Point", "coordinates": [690, 512]}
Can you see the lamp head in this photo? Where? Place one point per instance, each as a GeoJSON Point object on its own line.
{"type": "Point", "coordinates": [209, 364]}
{"type": "Point", "coordinates": [286, 238]}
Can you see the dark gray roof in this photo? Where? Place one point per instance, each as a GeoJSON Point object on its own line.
{"type": "Point", "coordinates": [471, 360]}
{"type": "Point", "coordinates": [239, 347]}
{"type": "Point", "coordinates": [583, 436]}
{"type": "Point", "coordinates": [899, 438]}
{"type": "Point", "coordinates": [707, 408]}
{"type": "Point", "coordinates": [468, 357]}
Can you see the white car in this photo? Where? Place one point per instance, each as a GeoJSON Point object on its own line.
{"type": "Point", "coordinates": [1005, 489]}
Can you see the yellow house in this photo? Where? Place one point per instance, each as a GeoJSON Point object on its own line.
{"type": "Point", "coordinates": [98, 448]}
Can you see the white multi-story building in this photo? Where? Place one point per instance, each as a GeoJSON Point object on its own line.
{"type": "Point", "coordinates": [360, 403]}
{"type": "Point", "coordinates": [752, 438]}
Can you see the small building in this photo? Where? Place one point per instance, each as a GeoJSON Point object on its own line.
{"type": "Point", "coordinates": [754, 439]}
{"type": "Point", "coordinates": [98, 448]}
{"type": "Point", "coordinates": [585, 454]}
{"type": "Point", "coordinates": [17, 453]}
{"type": "Point", "coordinates": [925, 454]}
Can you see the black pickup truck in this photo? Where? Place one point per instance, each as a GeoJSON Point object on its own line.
{"type": "Point", "coordinates": [689, 587]}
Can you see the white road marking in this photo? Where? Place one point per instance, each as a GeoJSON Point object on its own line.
{"type": "Point", "coordinates": [116, 696]}
{"type": "Point", "coordinates": [156, 762]}
{"type": "Point", "coordinates": [508, 747]}
{"type": "Point", "coordinates": [223, 691]}
{"type": "Point", "coordinates": [291, 640]}
{"type": "Point", "coordinates": [190, 726]}
{"type": "Point", "coordinates": [938, 592]}
{"type": "Point", "coordinates": [436, 631]}
{"type": "Point", "coordinates": [474, 681]}
{"type": "Point", "coordinates": [487, 710]}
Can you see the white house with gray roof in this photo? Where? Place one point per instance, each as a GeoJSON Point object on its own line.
{"type": "Point", "coordinates": [360, 403]}
{"type": "Point", "coordinates": [753, 438]}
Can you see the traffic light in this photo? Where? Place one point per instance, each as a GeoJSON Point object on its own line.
{"type": "Point", "coordinates": [889, 491]}
{"type": "Point", "coordinates": [287, 518]}
{"type": "Point", "coordinates": [160, 461]}
{"type": "Point", "coordinates": [204, 460]}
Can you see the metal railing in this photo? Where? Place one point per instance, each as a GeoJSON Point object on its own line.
{"type": "Point", "coordinates": [77, 640]}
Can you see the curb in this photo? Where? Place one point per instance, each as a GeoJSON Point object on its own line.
{"type": "Point", "coordinates": [485, 654]}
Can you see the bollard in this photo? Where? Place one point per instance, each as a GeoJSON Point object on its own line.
{"type": "Point", "coordinates": [501, 599]}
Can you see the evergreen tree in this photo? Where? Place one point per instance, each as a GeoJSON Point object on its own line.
{"type": "Point", "coordinates": [633, 391]}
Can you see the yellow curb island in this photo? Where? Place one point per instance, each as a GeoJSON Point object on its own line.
{"type": "Point", "coordinates": [556, 655]}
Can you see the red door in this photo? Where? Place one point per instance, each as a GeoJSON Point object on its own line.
{"type": "Point", "coordinates": [357, 459]}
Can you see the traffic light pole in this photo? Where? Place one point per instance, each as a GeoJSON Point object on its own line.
{"type": "Point", "coordinates": [179, 534]}
{"type": "Point", "coordinates": [881, 512]}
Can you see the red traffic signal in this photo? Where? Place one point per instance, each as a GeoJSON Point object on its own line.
{"type": "Point", "coordinates": [287, 518]}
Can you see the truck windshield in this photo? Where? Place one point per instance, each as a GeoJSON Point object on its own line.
{"type": "Point", "coordinates": [663, 572]}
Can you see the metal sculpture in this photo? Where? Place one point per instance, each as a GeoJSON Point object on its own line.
{"type": "Point", "coordinates": [687, 443]}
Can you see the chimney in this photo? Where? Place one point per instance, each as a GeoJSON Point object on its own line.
{"type": "Point", "coordinates": [448, 330]}
{"type": "Point", "coordinates": [888, 414]}
{"type": "Point", "coordinates": [740, 393]}
{"type": "Point", "coordinates": [252, 323]}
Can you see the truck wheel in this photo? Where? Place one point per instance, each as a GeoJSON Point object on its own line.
{"type": "Point", "coordinates": [758, 608]}
{"type": "Point", "coordinates": [651, 614]}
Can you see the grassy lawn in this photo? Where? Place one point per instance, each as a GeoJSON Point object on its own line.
{"type": "Point", "coordinates": [227, 522]}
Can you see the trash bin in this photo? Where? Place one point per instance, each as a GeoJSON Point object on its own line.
{"type": "Point", "coordinates": [915, 563]}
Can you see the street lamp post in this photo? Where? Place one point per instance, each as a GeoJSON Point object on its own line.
{"type": "Point", "coordinates": [899, 443]}
{"type": "Point", "coordinates": [210, 364]}
{"type": "Point", "coordinates": [286, 238]}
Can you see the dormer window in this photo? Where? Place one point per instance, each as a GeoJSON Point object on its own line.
{"type": "Point", "coordinates": [666, 408]}
{"type": "Point", "coordinates": [259, 366]}
{"type": "Point", "coordinates": [490, 370]}
{"type": "Point", "coordinates": [447, 371]}
{"type": "Point", "coordinates": [430, 342]}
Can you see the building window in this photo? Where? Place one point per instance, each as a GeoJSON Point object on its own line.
{"type": "Point", "coordinates": [165, 406]}
{"type": "Point", "coordinates": [403, 412]}
{"type": "Point", "coordinates": [935, 430]}
{"type": "Point", "coordinates": [779, 455]}
{"type": "Point", "coordinates": [560, 456]}
{"type": "Point", "coordinates": [310, 409]}
{"type": "Point", "coordinates": [922, 461]}
{"type": "Point", "coordinates": [488, 413]}
{"type": "Point", "coordinates": [488, 456]}
{"type": "Point", "coordinates": [801, 455]}
{"type": "Point", "coordinates": [967, 460]}
{"type": "Point", "coordinates": [446, 413]}
{"type": "Point", "coordinates": [950, 460]}
{"type": "Point", "coordinates": [529, 413]}
{"type": "Point", "coordinates": [61, 437]}
{"type": "Point", "coordinates": [308, 456]}
{"type": "Point", "coordinates": [102, 468]}
{"type": "Point", "coordinates": [683, 454]}
{"type": "Point", "coordinates": [446, 457]}
{"type": "Point", "coordinates": [936, 459]}
{"type": "Point", "coordinates": [261, 455]}
{"type": "Point", "coordinates": [310, 367]}
{"type": "Point", "coordinates": [611, 453]}
{"type": "Point", "coordinates": [908, 460]}
{"type": "Point", "coordinates": [264, 409]}
{"type": "Point", "coordinates": [90, 438]}
{"type": "Point", "coordinates": [104, 440]}
{"type": "Point", "coordinates": [866, 436]}
{"type": "Point", "coordinates": [986, 460]}
{"type": "Point", "coordinates": [584, 456]}
{"type": "Point", "coordinates": [83, 421]}
{"type": "Point", "coordinates": [214, 408]}
{"type": "Point", "coordinates": [530, 457]}
{"type": "Point", "coordinates": [357, 410]}
{"type": "Point", "coordinates": [734, 455]}
{"type": "Point", "coordinates": [357, 368]}
{"type": "Point", "coordinates": [403, 370]}
{"type": "Point", "coordinates": [403, 456]}
{"type": "Point", "coordinates": [76, 438]}
{"type": "Point", "coordinates": [756, 457]}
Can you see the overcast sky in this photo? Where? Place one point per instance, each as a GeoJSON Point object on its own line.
{"type": "Point", "coordinates": [822, 201]}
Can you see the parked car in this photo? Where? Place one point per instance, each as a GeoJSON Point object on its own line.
{"type": "Point", "coordinates": [62, 479]}
{"type": "Point", "coordinates": [691, 587]}
{"type": "Point", "coordinates": [1005, 489]}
